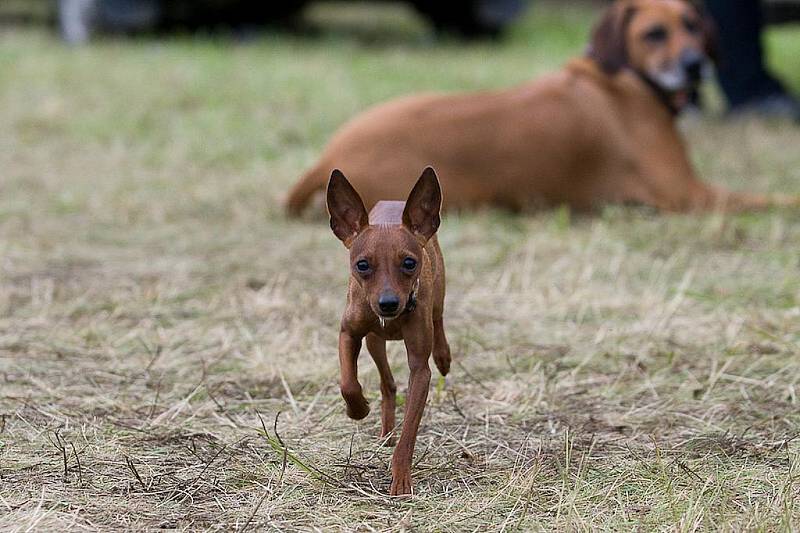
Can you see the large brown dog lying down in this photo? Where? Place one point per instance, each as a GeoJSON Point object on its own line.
{"type": "Point", "coordinates": [601, 130]}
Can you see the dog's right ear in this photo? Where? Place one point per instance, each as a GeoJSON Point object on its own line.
{"type": "Point", "coordinates": [348, 214]}
{"type": "Point", "coordinates": [608, 45]}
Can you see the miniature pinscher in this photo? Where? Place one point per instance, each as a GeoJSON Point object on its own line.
{"type": "Point", "coordinates": [395, 292]}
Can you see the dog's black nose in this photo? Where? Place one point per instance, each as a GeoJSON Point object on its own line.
{"type": "Point", "coordinates": [692, 63]}
{"type": "Point", "coordinates": [388, 303]}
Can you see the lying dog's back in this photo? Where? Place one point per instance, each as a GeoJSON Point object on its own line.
{"type": "Point", "coordinates": [511, 147]}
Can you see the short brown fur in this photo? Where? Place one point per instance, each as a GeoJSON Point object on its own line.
{"type": "Point", "coordinates": [383, 241]}
{"type": "Point", "coordinates": [597, 132]}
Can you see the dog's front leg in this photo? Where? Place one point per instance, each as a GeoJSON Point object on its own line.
{"type": "Point", "coordinates": [349, 348]}
{"type": "Point", "coordinates": [418, 344]}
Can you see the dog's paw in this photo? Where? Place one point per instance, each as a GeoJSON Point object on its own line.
{"type": "Point", "coordinates": [358, 410]}
{"type": "Point", "coordinates": [401, 485]}
{"type": "Point", "coordinates": [442, 362]}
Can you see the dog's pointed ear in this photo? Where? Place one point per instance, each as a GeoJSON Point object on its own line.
{"type": "Point", "coordinates": [608, 45]}
{"type": "Point", "coordinates": [421, 214]}
{"type": "Point", "coordinates": [348, 214]}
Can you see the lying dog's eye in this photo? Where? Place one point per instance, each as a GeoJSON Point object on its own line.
{"type": "Point", "coordinates": [656, 35]}
{"type": "Point", "coordinates": [692, 26]}
{"type": "Point", "coordinates": [362, 265]}
{"type": "Point", "coordinates": [409, 263]}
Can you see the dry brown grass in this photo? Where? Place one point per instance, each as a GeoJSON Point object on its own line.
{"type": "Point", "coordinates": [168, 339]}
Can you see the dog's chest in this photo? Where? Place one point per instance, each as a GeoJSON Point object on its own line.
{"type": "Point", "coordinates": [390, 330]}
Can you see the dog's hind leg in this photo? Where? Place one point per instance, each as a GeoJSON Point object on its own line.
{"type": "Point", "coordinates": [377, 349]}
{"type": "Point", "coordinates": [441, 348]}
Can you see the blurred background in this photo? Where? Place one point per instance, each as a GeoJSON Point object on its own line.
{"type": "Point", "coordinates": [80, 20]}
{"type": "Point", "coordinates": [747, 82]}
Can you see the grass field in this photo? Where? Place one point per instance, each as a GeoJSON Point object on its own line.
{"type": "Point", "coordinates": [168, 338]}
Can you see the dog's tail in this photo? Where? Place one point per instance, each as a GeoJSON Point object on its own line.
{"type": "Point", "coordinates": [298, 198]}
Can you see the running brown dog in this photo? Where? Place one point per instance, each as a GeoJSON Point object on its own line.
{"type": "Point", "coordinates": [396, 291]}
{"type": "Point", "coordinates": [601, 130]}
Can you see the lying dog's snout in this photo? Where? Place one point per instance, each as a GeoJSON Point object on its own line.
{"type": "Point", "coordinates": [388, 303]}
{"type": "Point", "coordinates": [692, 63]}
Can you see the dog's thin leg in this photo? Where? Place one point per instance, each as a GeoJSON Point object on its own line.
{"type": "Point", "coordinates": [377, 349]}
{"type": "Point", "coordinates": [441, 348]}
{"type": "Point", "coordinates": [419, 345]}
{"type": "Point", "coordinates": [704, 197]}
{"type": "Point", "coordinates": [349, 348]}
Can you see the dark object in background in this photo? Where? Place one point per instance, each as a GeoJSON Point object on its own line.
{"type": "Point", "coordinates": [475, 18]}
{"type": "Point", "coordinates": [80, 19]}
{"type": "Point", "coordinates": [744, 79]}
{"type": "Point", "coordinates": [779, 11]}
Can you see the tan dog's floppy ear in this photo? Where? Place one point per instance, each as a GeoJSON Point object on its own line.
{"type": "Point", "coordinates": [421, 214]}
{"type": "Point", "coordinates": [607, 45]}
{"type": "Point", "coordinates": [710, 32]}
{"type": "Point", "coordinates": [348, 214]}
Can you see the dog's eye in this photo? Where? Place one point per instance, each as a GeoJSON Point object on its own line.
{"type": "Point", "coordinates": [656, 35]}
{"type": "Point", "coordinates": [692, 26]}
{"type": "Point", "coordinates": [409, 263]}
{"type": "Point", "coordinates": [362, 265]}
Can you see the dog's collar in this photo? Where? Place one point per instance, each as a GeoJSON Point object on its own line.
{"type": "Point", "coordinates": [662, 95]}
{"type": "Point", "coordinates": [411, 303]}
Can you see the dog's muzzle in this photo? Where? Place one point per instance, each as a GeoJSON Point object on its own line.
{"type": "Point", "coordinates": [691, 68]}
{"type": "Point", "coordinates": [692, 63]}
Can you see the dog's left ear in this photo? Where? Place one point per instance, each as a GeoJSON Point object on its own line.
{"type": "Point", "coordinates": [710, 31]}
{"type": "Point", "coordinates": [421, 214]}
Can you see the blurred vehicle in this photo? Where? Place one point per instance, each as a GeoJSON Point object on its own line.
{"type": "Point", "coordinates": [79, 20]}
